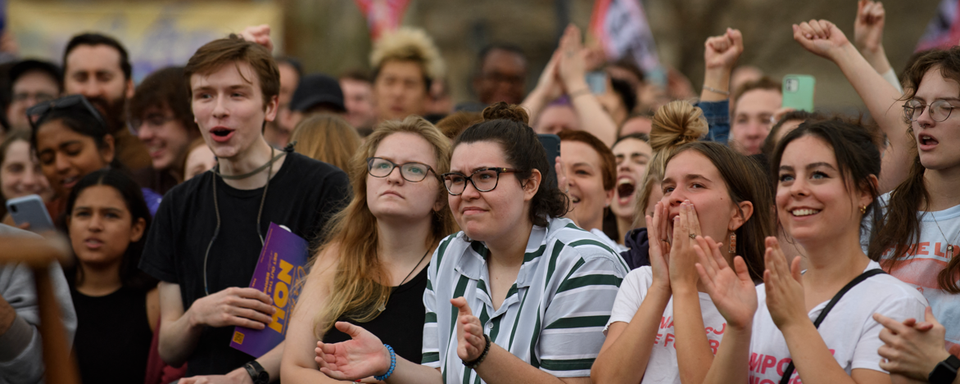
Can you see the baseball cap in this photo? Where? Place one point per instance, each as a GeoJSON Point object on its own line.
{"type": "Point", "coordinates": [316, 89]}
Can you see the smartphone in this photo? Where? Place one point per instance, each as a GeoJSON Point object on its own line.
{"type": "Point", "coordinates": [551, 144]}
{"type": "Point", "coordinates": [597, 82]}
{"type": "Point", "coordinates": [798, 92]}
{"type": "Point", "coordinates": [30, 209]}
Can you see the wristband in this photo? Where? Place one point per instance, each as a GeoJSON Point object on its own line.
{"type": "Point", "coordinates": [393, 364]}
{"type": "Point", "coordinates": [945, 372]}
{"type": "Point", "coordinates": [257, 373]}
{"type": "Point", "coordinates": [483, 355]}
{"type": "Point", "coordinates": [717, 91]}
{"type": "Point", "coordinates": [574, 94]}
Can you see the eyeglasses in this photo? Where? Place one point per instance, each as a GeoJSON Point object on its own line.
{"type": "Point", "coordinates": [483, 180]}
{"type": "Point", "coordinates": [38, 97]}
{"type": "Point", "coordinates": [412, 171]}
{"type": "Point", "coordinates": [38, 112]}
{"type": "Point", "coordinates": [939, 110]}
{"type": "Point", "coordinates": [150, 122]}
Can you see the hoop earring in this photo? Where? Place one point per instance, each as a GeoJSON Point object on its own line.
{"type": "Point", "coordinates": [732, 247]}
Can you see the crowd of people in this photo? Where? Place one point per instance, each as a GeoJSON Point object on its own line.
{"type": "Point", "coordinates": [605, 230]}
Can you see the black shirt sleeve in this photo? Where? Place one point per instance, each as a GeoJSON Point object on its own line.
{"type": "Point", "coordinates": [159, 250]}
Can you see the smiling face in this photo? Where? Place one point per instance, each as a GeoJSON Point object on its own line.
{"type": "Point", "coordinates": [399, 90]}
{"type": "Point", "coordinates": [813, 202]}
{"type": "Point", "coordinates": [692, 176]}
{"type": "Point", "coordinates": [94, 71]}
{"type": "Point", "coordinates": [228, 106]}
{"type": "Point", "coordinates": [395, 198]}
{"type": "Point", "coordinates": [585, 177]}
{"type": "Point", "coordinates": [495, 214]}
{"type": "Point", "coordinates": [66, 156]}
{"type": "Point", "coordinates": [101, 226]}
{"type": "Point", "coordinates": [632, 156]}
{"type": "Point", "coordinates": [20, 173]}
{"type": "Point", "coordinates": [937, 140]}
{"type": "Point", "coordinates": [165, 137]}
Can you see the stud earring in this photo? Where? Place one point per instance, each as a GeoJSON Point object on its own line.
{"type": "Point", "coordinates": [732, 247]}
{"type": "Point", "coordinates": [863, 210]}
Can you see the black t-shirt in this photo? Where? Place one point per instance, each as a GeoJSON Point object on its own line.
{"type": "Point", "coordinates": [302, 196]}
{"type": "Point", "coordinates": [401, 323]}
{"type": "Point", "coordinates": [113, 336]}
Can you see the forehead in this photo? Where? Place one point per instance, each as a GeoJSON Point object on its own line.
{"type": "Point", "coordinates": [18, 150]}
{"type": "Point", "coordinates": [639, 124]}
{"type": "Point", "coordinates": [933, 86]}
{"type": "Point", "coordinates": [808, 149]}
{"type": "Point", "coordinates": [101, 195]}
{"type": "Point", "coordinates": [52, 133]}
{"type": "Point", "coordinates": [232, 74]}
{"type": "Point", "coordinates": [630, 146]}
{"type": "Point", "coordinates": [504, 61]}
{"type": "Point", "coordinates": [691, 162]}
{"type": "Point", "coordinates": [578, 151]}
{"type": "Point", "coordinates": [92, 58]}
{"type": "Point", "coordinates": [759, 101]}
{"type": "Point", "coordinates": [402, 147]}
{"type": "Point", "coordinates": [401, 68]}
{"type": "Point", "coordinates": [33, 79]}
{"type": "Point", "coordinates": [468, 156]}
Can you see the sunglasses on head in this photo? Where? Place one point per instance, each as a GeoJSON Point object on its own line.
{"type": "Point", "coordinates": [40, 111]}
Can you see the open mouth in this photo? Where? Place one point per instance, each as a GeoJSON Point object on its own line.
{"type": "Point", "coordinates": [804, 212]}
{"type": "Point", "coordinates": [927, 140]}
{"type": "Point", "coordinates": [625, 189]}
{"type": "Point", "coordinates": [221, 134]}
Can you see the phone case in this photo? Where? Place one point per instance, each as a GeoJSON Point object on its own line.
{"type": "Point", "coordinates": [551, 144]}
{"type": "Point", "coordinates": [798, 92]}
{"type": "Point", "coordinates": [30, 209]}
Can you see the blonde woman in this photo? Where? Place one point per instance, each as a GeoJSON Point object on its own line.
{"type": "Point", "coordinates": [327, 138]}
{"type": "Point", "coordinates": [372, 270]}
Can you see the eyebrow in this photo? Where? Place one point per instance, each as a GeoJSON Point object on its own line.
{"type": "Point", "coordinates": [108, 209]}
{"type": "Point", "coordinates": [688, 177]}
{"type": "Point", "coordinates": [938, 98]}
{"type": "Point", "coordinates": [810, 166]}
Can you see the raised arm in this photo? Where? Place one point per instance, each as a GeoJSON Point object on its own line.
{"type": "Point", "coordinates": [868, 37]}
{"type": "Point", "coordinates": [627, 348]}
{"type": "Point", "coordinates": [572, 68]}
{"type": "Point", "coordinates": [824, 39]}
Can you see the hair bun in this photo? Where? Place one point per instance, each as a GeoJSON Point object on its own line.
{"type": "Point", "coordinates": [502, 110]}
{"type": "Point", "coordinates": [677, 123]}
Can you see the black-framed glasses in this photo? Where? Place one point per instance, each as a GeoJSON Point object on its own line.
{"type": "Point", "coordinates": [38, 112]}
{"type": "Point", "coordinates": [412, 171]}
{"type": "Point", "coordinates": [483, 179]}
{"type": "Point", "coordinates": [939, 110]}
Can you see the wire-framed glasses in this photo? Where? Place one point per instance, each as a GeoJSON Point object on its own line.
{"type": "Point", "coordinates": [939, 110]}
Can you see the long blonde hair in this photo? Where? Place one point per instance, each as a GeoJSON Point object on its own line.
{"type": "Point", "coordinates": [357, 291]}
{"type": "Point", "coordinates": [328, 138]}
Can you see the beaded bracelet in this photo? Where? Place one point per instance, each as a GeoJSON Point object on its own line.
{"type": "Point", "coordinates": [393, 364]}
{"type": "Point", "coordinates": [483, 355]}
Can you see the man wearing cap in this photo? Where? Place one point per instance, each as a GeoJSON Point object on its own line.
{"type": "Point", "coordinates": [316, 93]}
{"type": "Point", "coordinates": [31, 82]}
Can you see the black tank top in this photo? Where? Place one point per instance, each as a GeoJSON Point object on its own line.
{"type": "Point", "coordinates": [401, 324]}
{"type": "Point", "coordinates": [113, 336]}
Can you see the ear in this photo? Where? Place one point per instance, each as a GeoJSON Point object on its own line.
{"type": "Point", "coordinates": [270, 113]}
{"type": "Point", "coordinates": [532, 184]}
{"type": "Point", "coordinates": [108, 151]}
{"type": "Point", "coordinates": [609, 198]}
{"type": "Point", "coordinates": [865, 197]}
{"type": "Point", "coordinates": [136, 231]}
{"type": "Point", "coordinates": [741, 216]}
{"type": "Point", "coordinates": [129, 89]}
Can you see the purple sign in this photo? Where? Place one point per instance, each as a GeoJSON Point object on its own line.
{"type": "Point", "coordinates": [281, 266]}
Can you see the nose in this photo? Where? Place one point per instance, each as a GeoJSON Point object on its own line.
{"type": "Point", "coordinates": [395, 176]}
{"type": "Point", "coordinates": [925, 120]}
{"type": "Point", "coordinates": [144, 133]}
{"type": "Point", "coordinates": [799, 187]}
{"type": "Point", "coordinates": [220, 109]}
{"type": "Point", "coordinates": [95, 224]}
{"type": "Point", "coordinates": [470, 192]}
{"type": "Point", "coordinates": [61, 163]}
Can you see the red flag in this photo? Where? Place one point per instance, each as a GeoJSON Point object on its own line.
{"type": "Point", "coordinates": [622, 29]}
{"type": "Point", "coordinates": [944, 30]}
{"type": "Point", "coordinates": [382, 15]}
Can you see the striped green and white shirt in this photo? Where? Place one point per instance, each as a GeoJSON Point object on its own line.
{"type": "Point", "coordinates": [552, 317]}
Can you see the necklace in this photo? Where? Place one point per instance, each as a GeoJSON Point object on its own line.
{"type": "Point", "coordinates": [216, 206]}
{"type": "Point", "coordinates": [949, 246]}
{"type": "Point", "coordinates": [383, 299]}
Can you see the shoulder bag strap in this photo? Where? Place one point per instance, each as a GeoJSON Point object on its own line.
{"type": "Point", "coordinates": [816, 323]}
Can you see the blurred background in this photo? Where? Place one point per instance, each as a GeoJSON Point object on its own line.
{"type": "Point", "coordinates": [333, 36]}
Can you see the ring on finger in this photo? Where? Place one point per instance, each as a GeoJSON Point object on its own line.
{"type": "Point", "coordinates": [692, 236]}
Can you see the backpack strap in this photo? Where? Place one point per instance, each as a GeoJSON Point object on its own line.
{"type": "Point", "coordinates": [823, 314]}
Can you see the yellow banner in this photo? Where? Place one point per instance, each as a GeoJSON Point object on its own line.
{"type": "Point", "coordinates": [156, 34]}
